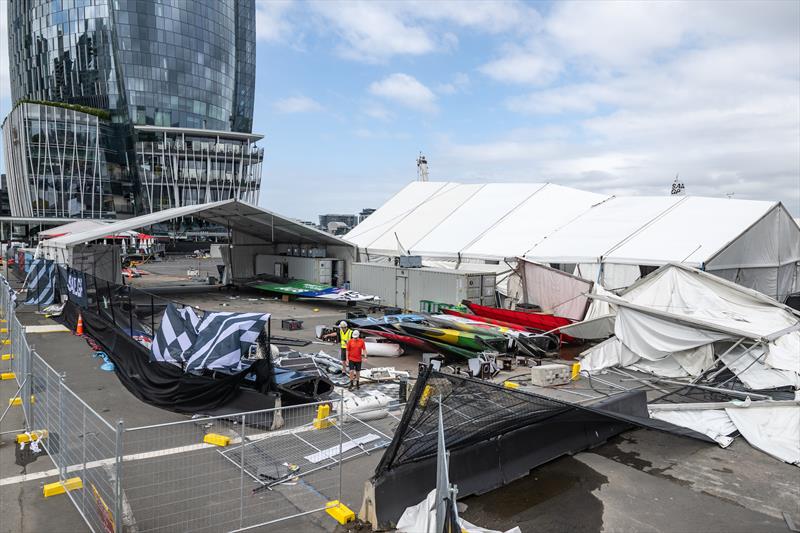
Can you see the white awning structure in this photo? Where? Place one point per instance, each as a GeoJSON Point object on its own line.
{"type": "Point", "coordinates": [78, 226]}
{"type": "Point", "coordinates": [600, 238]}
{"type": "Point", "coordinates": [254, 231]}
{"type": "Point", "coordinates": [240, 216]}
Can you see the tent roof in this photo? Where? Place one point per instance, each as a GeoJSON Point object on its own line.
{"type": "Point", "coordinates": [477, 220]}
{"type": "Point", "coordinates": [240, 216]}
{"type": "Point", "coordinates": [554, 224]}
{"type": "Point", "coordinates": [71, 228]}
{"type": "Point", "coordinates": [652, 230]}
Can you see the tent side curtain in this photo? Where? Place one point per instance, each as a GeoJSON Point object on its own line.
{"type": "Point", "coordinates": [554, 291]}
{"type": "Point", "coordinates": [765, 257]}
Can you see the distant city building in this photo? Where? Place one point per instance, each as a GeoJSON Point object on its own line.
{"type": "Point", "coordinates": [367, 211]}
{"type": "Point", "coordinates": [129, 106]}
{"type": "Point", "coordinates": [337, 224]}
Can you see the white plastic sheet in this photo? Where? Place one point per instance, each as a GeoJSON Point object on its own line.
{"type": "Point", "coordinates": [774, 430]}
{"type": "Point", "coordinates": [421, 518]}
{"type": "Point", "coordinates": [712, 422]}
{"type": "Point", "coordinates": [749, 367]}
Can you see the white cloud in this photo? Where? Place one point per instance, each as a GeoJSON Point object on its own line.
{"type": "Point", "coordinates": [459, 83]}
{"type": "Point", "coordinates": [377, 111]}
{"type": "Point", "coordinates": [377, 31]}
{"type": "Point", "coordinates": [297, 104]}
{"type": "Point", "coordinates": [371, 31]}
{"type": "Point", "coordinates": [406, 91]}
{"type": "Point", "coordinates": [523, 66]}
{"type": "Point", "coordinates": [272, 23]}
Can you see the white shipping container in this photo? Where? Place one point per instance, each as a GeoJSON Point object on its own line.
{"type": "Point", "coordinates": [407, 287]}
{"type": "Point", "coordinates": [315, 269]}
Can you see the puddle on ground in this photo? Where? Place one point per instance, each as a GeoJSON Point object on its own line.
{"type": "Point", "coordinates": [554, 497]}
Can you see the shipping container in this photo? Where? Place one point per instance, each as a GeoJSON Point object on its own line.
{"type": "Point", "coordinates": [408, 288]}
{"type": "Point", "coordinates": [316, 269]}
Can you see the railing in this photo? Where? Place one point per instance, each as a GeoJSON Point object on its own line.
{"type": "Point", "coordinates": [222, 473]}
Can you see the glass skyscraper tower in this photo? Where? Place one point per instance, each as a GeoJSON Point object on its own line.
{"type": "Point", "coordinates": [130, 106]}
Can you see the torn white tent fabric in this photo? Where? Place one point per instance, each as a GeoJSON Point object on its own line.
{"type": "Point", "coordinates": [554, 291]}
{"type": "Point", "coordinates": [748, 367]}
{"type": "Point", "coordinates": [774, 430]}
{"type": "Point", "coordinates": [596, 328]}
{"type": "Point", "coordinates": [607, 354]}
{"type": "Point", "coordinates": [655, 338]}
{"type": "Point", "coordinates": [667, 367]}
{"type": "Point", "coordinates": [679, 312]}
{"type": "Point", "coordinates": [784, 352]}
{"type": "Point", "coordinates": [421, 518]}
{"type": "Point", "coordinates": [696, 360]}
{"type": "Point", "coordinates": [598, 308]}
{"type": "Point", "coordinates": [712, 422]}
{"type": "Point", "coordinates": [698, 296]}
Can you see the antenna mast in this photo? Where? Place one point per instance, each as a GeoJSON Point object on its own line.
{"type": "Point", "coordinates": [422, 168]}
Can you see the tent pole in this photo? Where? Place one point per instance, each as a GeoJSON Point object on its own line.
{"type": "Point", "coordinates": [724, 366]}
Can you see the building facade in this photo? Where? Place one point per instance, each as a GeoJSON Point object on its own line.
{"type": "Point", "coordinates": [139, 74]}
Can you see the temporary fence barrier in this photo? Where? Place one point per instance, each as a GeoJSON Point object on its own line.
{"type": "Point", "coordinates": [223, 473]}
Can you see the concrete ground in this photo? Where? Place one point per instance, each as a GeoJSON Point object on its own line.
{"type": "Point", "coordinates": [641, 480]}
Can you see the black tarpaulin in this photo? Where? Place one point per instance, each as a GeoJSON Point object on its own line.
{"type": "Point", "coordinates": [162, 384]}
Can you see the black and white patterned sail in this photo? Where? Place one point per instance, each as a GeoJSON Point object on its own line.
{"type": "Point", "coordinates": [215, 341]}
{"type": "Point", "coordinates": [41, 282]}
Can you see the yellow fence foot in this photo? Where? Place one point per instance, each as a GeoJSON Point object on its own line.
{"type": "Point", "coordinates": [322, 421]}
{"type": "Point", "coordinates": [216, 439]}
{"type": "Point", "coordinates": [7, 375]}
{"type": "Point", "coordinates": [7, 357]}
{"type": "Point", "coordinates": [340, 512]}
{"type": "Point", "coordinates": [16, 400]}
{"type": "Point", "coordinates": [60, 487]}
{"type": "Point", "coordinates": [31, 435]}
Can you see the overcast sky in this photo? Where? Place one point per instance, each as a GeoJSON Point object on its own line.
{"type": "Point", "coordinates": [612, 97]}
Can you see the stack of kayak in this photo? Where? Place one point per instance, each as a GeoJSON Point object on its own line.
{"type": "Point", "coordinates": [455, 336]}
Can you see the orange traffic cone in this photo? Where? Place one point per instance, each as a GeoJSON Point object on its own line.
{"type": "Point", "coordinates": [79, 329]}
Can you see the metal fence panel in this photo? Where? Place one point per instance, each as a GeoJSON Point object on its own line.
{"type": "Point", "coordinates": [277, 464]}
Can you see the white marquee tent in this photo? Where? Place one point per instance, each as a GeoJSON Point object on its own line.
{"type": "Point", "coordinates": [600, 238]}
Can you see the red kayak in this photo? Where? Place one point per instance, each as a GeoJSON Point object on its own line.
{"type": "Point", "coordinates": [414, 342]}
{"type": "Point", "coordinates": [532, 320]}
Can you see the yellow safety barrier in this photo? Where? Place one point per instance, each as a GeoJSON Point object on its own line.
{"type": "Point", "coordinates": [322, 421]}
{"type": "Point", "coordinates": [576, 371]}
{"type": "Point", "coordinates": [60, 487]}
{"type": "Point", "coordinates": [340, 512]}
{"type": "Point", "coordinates": [510, 385]}
{"type": "Point", "coordinates": [7, 357]}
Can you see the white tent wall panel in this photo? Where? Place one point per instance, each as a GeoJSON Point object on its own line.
{"type": "Point", "coordinates": [764, 257]}
{"type": "Point", "coordinates": [554, 291]}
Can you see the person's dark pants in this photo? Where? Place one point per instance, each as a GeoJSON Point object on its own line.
{"type": "Point", "coordinates": [343, 353]}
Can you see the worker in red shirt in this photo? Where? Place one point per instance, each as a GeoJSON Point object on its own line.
{"type": "Point", "coordinates": [356, 350]}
